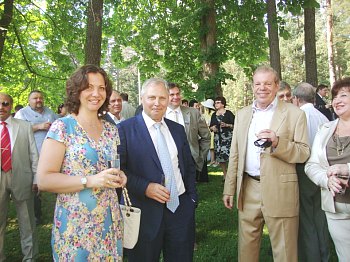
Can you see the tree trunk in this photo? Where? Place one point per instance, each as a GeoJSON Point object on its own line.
{"type": "Point", "coordinates": [5, 21]}
{"type": "Point", "coordinates": [310, 46]}
{"type": "Point", "coordinates": [209, 47]}
{"type": "Point", "coordinates": [275, 60]}
{"type": "Point", "coordinates": [331, 67]}
{"type": "Point", "coordinates": [94, 32]}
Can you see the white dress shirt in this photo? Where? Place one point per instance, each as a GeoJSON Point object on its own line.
{"type": "Point", "coordinates": [171, 114]}
{"type": "Point", "coordinates": [261, 120]}
{"type": "Point", "coordinates": [116, 120]}
{"type": "Point", "coordinates": [314, 119]}
{"type": "Point", "coordinates": [171, 147]}
{"type": "Point", "coordinates": [9, 127]}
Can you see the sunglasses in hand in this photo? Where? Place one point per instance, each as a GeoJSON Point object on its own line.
{"type": "Point", "coordinates": [263, 142]}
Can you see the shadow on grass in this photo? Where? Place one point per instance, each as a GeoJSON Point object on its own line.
{"type": "Point", "coordinates": [216, 235]}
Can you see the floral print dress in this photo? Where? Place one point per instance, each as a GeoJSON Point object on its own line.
{"type": "Point", "coordinates": [88, 224]}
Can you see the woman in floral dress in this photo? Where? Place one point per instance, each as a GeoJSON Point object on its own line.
{"type": "Point", "coordinates": [73, 163]}
{"type": "Point", "coordinates": [221, 124]}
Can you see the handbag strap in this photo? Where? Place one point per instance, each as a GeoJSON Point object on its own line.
{"type": "Point", "coordinates": [126, 197]}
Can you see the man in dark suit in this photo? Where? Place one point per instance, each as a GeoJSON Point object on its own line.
{"type": "Point", "coordinates": [320, 103]}
{"type": "Point", "coordinates": [17, 175]}
{"type": "Point", "coordinates": [161, 229]}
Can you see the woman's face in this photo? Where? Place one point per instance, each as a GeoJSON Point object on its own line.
{"type": "Point", "coordinates": [93, 97]}
{"type": "Point", "coordinates": [219, 105]}
{"type": "Point", "coordinates": [341, 103]}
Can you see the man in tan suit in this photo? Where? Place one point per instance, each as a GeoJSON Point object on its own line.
{"type": "Point", "coordinates": [197, 131]}
{"type": "Point", "coordinates": [262, 173]}
{"type": "Point", "coordinates": [17, 178]}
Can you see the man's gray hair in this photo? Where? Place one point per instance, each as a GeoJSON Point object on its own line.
{"type": "Point", "coordinates": [305, 92]}
{"type": "Point", "coordinates": [153, 81]}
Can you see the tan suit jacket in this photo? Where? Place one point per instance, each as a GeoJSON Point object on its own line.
{"type": "Point", "coordinates": [198, 134]}
{"type": "Point", "coordinates": [24, 159]}
{"type": "Point", "coordinates": [279, 181]}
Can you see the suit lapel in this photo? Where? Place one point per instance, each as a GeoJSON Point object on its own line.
{"type": "Point", "coordinates": [15, 128]}
{"type": "Point", "coordinates": [278, 116]}
{"type": "Point", "coordinates": [145, 137]}
{"type": "Point", "coordinates": [244, 130]}
{"type": "Point", "coordinates": [186, 114]}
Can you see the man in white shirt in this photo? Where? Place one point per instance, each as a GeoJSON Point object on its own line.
{"type": "Point", "coordinates": [17, 177]}
{"type": "Point", "coordinates": [313, 231]}
{"type": "Point", "coordinates": [197, 131]}
{"type": "Point", "coordinates": [262, 172]}
{"type": "Point", "coordinates": [162, 228]}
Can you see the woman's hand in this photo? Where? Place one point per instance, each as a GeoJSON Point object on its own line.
{"type": "Point", "coordinates": [338, 169]}
{"type": "Point", "coordinates": [334, 184]}
{"type": "Point", "coordinates": [214, 129]}
{"type": "Point", "coordinates": [338, 177]}
{"type": "Point", "coordinates": [112, 178]}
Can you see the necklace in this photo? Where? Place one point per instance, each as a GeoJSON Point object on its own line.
{"type": "Point", "coordinates": [340, 146]}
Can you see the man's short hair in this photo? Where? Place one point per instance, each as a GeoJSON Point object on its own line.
{"type": "Point", "coordinates": [124, 96]}
{"type": "Point", "coordinates": [305, 92]}
{"type": "Point", "coordinates": [267, 69]}
{"type": "Point", "coordinates": [153, 81]}
{"type": "Point", "coordinates": [35, 91]}
{"type": "Point", "coordinates": [320, 87]}
{"type": "Point", "coordinates": [284, 85]}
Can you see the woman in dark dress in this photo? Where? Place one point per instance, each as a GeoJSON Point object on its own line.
{"type": "Point", "coordinates": [222, 125]}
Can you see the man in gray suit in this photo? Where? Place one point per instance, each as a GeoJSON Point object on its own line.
{"type": "Point", "coordinates": [197, 131]}
{"type": "Point", "coordinates": [18, 177]}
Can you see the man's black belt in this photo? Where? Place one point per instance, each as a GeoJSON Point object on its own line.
{"type": "Point", "coordinates": [257, 178]}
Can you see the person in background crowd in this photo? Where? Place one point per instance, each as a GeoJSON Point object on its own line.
{"type": "Point", "coordinates": [221, 124]}
{"type": "Point", "coordinates": [313, 232]}
{"type": "Point", "coordinates": [198, 134]}
{"type": "Point", "coordinates": [17, 108]}
{"type": "Point", "coordinates": [114, 108]}
{"type": "Point", "coordinates": [40, 118]}
{"type": "Point", "coordinates": [156, 157]}
{"type": "Point", "coordinates": [328, 167]}
{"type": "Point", "coordinates": [127, 109]}
{"type": "Point", "coordinates": [185, 102]}
{"type": "Point", "coordinates": [285, 92]}
{"type": "Point", "coordinates": [194, 104]}
{"type": "Point", "coordinates": [269, 138]}
{"type": "Point", "coordinates": [321, 103]}
{"type": "Point", "coordinates": [61, 111]}
{"type": "Point", "coordinates": [19, 160]}
{"type": "Point", "coordinates": [88, 223]}
{"type": "Point", "coordinates": [139, 109]}
{"type": "Point", "coordinates": [209, 107]}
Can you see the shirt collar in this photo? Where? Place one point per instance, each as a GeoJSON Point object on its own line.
{"type": "Point", "coordinates": [150, 122]}
{"type": "Point", "coordinates": [271, 106]}
{"type": "Point", "coordinates": [8, 121]}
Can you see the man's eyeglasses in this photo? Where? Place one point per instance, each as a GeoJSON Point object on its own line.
{"type": "Point", "coordinates": [5, 103]}
{"type": "Point", "coordinates": [263, 143]}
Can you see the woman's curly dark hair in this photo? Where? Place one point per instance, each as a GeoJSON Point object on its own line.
{"type": "Point", "coordinates": [79, 82]}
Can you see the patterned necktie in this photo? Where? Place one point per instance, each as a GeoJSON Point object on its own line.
{"type": "Point", "coordinates": [5, 148]}
{"type": "Point", "coordinates": [165, 161]}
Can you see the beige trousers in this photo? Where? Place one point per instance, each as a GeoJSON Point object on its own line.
{"type": "Point", "coordinates": [283, 231]}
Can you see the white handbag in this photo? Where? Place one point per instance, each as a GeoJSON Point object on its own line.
{"type": "Point", "coordinates": [131, 218]}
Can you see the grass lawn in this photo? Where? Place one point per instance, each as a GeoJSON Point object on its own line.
{"type": "Point", "coordinates": [216, 236]}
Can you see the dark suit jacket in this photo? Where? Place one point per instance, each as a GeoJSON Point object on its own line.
{"type": "Point", "coordinates": [139, 161]}
{"type": "Point", "coordinates": [320, 105]}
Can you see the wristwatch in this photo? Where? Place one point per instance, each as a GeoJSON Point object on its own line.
{"type": "Point", "coordinates": [83, 180]}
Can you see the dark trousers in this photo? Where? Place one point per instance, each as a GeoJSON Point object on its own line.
{"type": "Point", "coordinates": [313, 231]}
{"type": "Point", "coordinates": [37, 208]}
{"type": "Point", "coordinates": [202, 176]}
{"type": "Point", "coordinates": [175, 237]}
